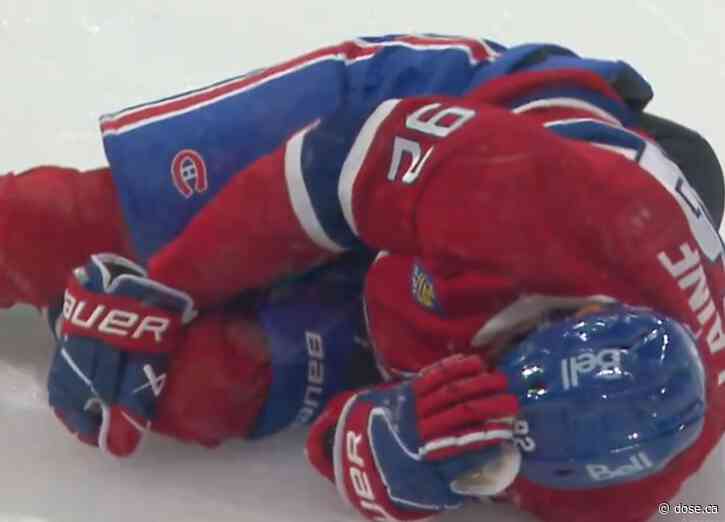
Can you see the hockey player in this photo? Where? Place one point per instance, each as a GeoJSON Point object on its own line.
{"type": "Point", "coordinates": [537, 155]}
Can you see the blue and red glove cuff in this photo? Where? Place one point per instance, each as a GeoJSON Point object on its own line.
{"type": "Point", "coordinates": [357, 474]}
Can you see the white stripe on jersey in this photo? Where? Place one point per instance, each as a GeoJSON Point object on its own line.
{"type": "Point", "coordinates": [182, 97]}
{"type": "Point", "coordinates": [630, 154]}
{"type": "Point", "coordinates": [263, 78]}
{"type": "Point", "coordinates": [212, 101]}
{"type": "Point", "coordinates": [614, 125]}
{"type": "Point", "coordinates": [332, 56]}
{"type": "Point", "coordinates": [300, 198]}
{"type": "Point", "coordinates": [490, 50]}
{"type": "Point", "coordinates": [567, 103]}
{"type": "Point", "coordinates": [356, 157]}
{"type": "Point", "coordinates": [578, 120]}
{"type": "Point", "coordinates": [381, 255]}
{"type": "Point", "coordinates": [433, 47]}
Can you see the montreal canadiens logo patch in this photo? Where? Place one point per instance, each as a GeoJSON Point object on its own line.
{"type": "Point", "coordinates": [189, 174]}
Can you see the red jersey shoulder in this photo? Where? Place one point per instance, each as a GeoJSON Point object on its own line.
{"type": "Point", "coordinates": [607, 214]}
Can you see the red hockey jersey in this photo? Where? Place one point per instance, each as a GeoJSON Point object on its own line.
{"type": "Point", "coordinates": [531, 192]}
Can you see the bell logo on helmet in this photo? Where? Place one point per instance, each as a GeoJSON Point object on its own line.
{"type": "Point", "coordinates": [189, 174]}
{"type": "Point", "coordinates": [605, 363]}
{"type": "Point", "coordinates": [635, 465]}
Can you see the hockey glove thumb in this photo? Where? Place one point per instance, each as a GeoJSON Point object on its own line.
{"type": "Point", "coordinates": [114, 334]}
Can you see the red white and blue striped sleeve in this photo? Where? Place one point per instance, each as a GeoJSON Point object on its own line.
{"type": "Point", "coordinates": [170, 158]}
{"type": "Point", "coordinates": [473, 51]}
{"type": "Point", "coordinates": [352, 179]}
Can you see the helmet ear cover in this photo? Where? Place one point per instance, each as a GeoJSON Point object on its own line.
{"type": "Point", "coordinates": [607, 397]}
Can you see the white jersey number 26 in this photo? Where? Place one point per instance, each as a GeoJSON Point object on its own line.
{"type": "Point", "coordinates": [429, 121]}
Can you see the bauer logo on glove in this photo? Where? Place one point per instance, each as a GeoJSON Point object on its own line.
{"type": "Point", "coordinates": [115, 334]}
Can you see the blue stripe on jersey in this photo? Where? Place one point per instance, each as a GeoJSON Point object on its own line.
{"type": "Point", "coordinates": [523, 58]}
{"type": "Point", "coordinates": [494, 45]}
{"type": "Point", "coordinates": [628, 83]}
{"type": "Point", "coordinates": [600, 133]}
{"type": "Point", "coordinates": [613, 107]}
{"type": "Point", "coordinates": [323, 153]}
{"type": "Point", "coordinates": [326, 147]}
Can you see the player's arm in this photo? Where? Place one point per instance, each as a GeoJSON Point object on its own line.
{"type": "Point", "coordinates": [51, 220]}
{"type": "Point", "coordinates": [271, 359]}
{"type": "Point", "coordinates": [386, 176]}
{"type": "Point", "coordinates": [143, 142]}
{"type": "Point", "coordinates": [54, 218]}
{"type": "Point", "coordinates": [170, 158]}
{"type": "Point", "coordinates": [348, 82]}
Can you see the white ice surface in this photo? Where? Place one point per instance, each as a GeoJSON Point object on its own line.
{"type": "Point", "coordinates": [62, 63]}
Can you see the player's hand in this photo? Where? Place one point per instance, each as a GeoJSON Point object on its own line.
{"type": "Point", "coordinates": [114, 334]}
{"type": "Point", "coordinates": [406, 447]}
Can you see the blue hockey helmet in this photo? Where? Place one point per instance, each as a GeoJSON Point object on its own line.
{"type": "Point", "coordinates": [606, 398]}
